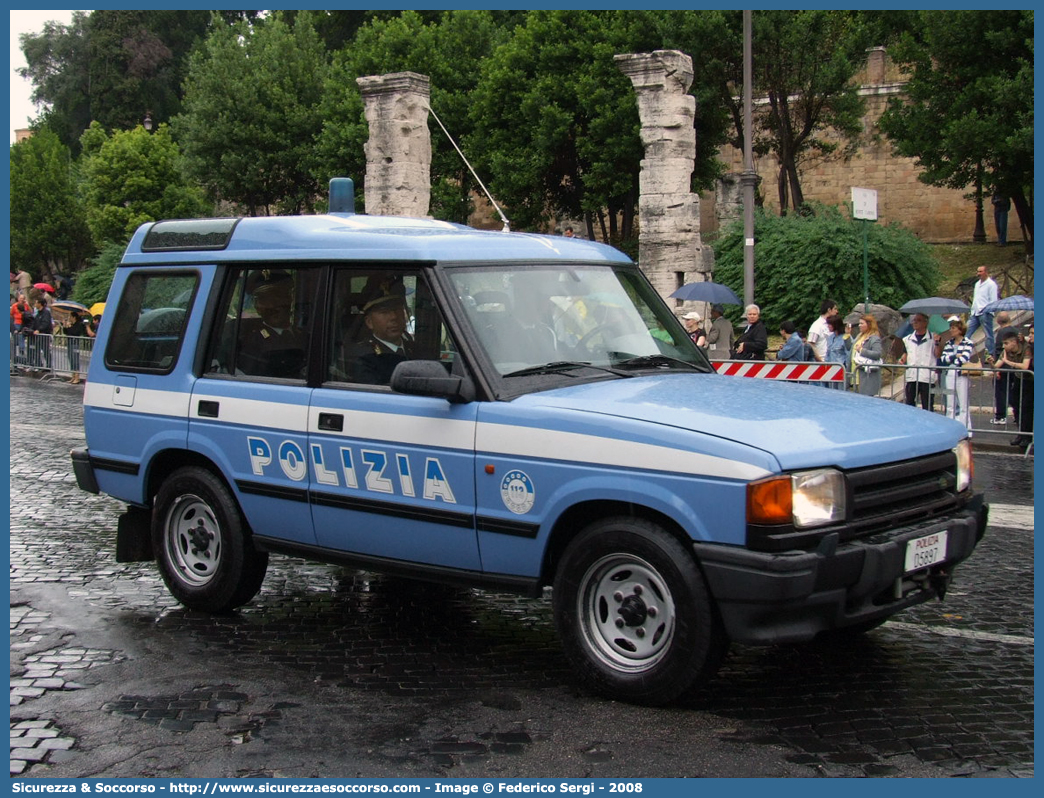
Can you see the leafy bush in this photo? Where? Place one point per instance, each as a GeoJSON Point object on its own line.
{"type": "Point", "coordinates": [92, 284]}
{"type": "Point", "coordinates": [801, 260]}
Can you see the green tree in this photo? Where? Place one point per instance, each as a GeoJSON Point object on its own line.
{"type": "Point", "coordinates": [555, 124]}
{"type": "Point", "coordinates": [967, 110]}
{"type": "Point", "coordinates": [802, 259]}
{"type": "Point", "coordinates": [94, 282]}
{"type": "Point", "coordinates": [803, 64]}
{"type": "Point", "coordinates": [252, 114]}
{"type": "Point", "coordinates": [133, 177]}
{"type": "Point", "coordinates": [113, 66]}
{"type": "Point", "coordinates": [48, 232]}
{"type": "Point", "coordinates": [448, 49]}
{"type": "Point", "coordinates": [58, 65]}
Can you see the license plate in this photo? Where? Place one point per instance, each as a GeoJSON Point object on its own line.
{"type": "Point", "coordinates": [922, 552]}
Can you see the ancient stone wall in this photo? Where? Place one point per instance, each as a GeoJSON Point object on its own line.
{"type": "Point", "coordinates": [398, 152]}
{"type": "Point", "coordinates": [935, 214]}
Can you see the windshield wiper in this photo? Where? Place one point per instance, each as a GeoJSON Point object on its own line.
{"type": "Point", "coordinates": [559, 366]}
{"type": "Point", "coordinates": [656, 361]}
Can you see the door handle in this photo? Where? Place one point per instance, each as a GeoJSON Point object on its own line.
{"type": "Point", "coordinates": [331, 422]}
{"type": "Point", "coordinates": [208, 408]}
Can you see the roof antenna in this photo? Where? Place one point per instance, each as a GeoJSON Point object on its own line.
{"type": "Point", "coordinates": [503, 218]}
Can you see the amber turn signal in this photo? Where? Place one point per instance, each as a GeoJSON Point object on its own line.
{"type": "Point", "coordinates": [770, 501]}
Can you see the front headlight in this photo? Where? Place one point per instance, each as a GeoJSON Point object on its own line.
{"type": "Point", "coordinates": [805, 499]}
{"type": "Point", "coordinates": [819, 497]}
{"type": "Point", "coordinates": [965, 465]}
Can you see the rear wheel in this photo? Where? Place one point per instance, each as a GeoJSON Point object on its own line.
{"type": "Point", "coordinates": [634, 613]}
{"type": "Point", "coordinates": [204, 554]}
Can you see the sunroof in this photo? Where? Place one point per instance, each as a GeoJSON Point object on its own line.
{"type": "Point", "coordinates": [189, 234]}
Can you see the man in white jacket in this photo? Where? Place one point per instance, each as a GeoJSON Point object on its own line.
{"type": "Point", "coordinates": [985, 292]}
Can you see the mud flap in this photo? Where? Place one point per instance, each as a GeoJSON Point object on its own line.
{"type": "Point", "coordinates": [134, 536]}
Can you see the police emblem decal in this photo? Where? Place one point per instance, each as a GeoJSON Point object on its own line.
{"type": "Point", "coordinates": [517, 492]}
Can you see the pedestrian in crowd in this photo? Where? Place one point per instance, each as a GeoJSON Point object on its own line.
{"type": "Point", "coordinates": [1016, 362]}
{"type": "Point", "coordinates": [63, 286]}
{"type": "Point", "coordinates": [1025, 437]}
{"type": "Point", "coordinates": [1001, 206]}
{"type": "Point", "coordinates": [720, 334]}
{"type": "Point", "coordinates": [19, 310]}
{"type": "Point", "coordinates": [954, 351]}
{"type": "Point", "coordinates": [43, 329]}
{"type": "Point", "coordinates": [75, 331]}
{"type": "Point", "coordinates": [920, 360]}
{"type": "Point", "coordinates": [985, 292]}
{"type": "Point", "coordinates": [793, 347]}
{"type": "Point", "coordinates": [839, 345]}
{"type": "Point", "coordinates": [1001, 383]}
{"type": "Point", "coordinates": [818, 332]}
{"type": "Point", "coordinates": [694, 327]}
{"type": "Point", "coordinates": [25, 282]}
{"type": "Point", "coordinates": [866, 357]}
{"type": "Point", "coordinates": [21, 318]}
{"type": "Point", "coordinates": [753, 341]}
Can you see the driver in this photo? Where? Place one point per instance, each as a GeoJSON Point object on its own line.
{"type": "Point", "coordinates": [385, 315]}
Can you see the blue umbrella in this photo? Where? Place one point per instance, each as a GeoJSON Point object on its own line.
{"type": "Point", "coordinates": [940, 305]}
{"type": "Point", "coordinates": [715, 293]}
{"type": "Point", "coordinates": [1017, 302]}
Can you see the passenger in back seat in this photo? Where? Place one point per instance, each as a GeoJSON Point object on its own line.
{"type": "Point", "coordinates": [275, 347]}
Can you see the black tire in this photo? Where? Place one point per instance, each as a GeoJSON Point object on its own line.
{"type": "Point", "coordinates": [634, 613]}
{"type": "Point", "coordinates": [202, 548]}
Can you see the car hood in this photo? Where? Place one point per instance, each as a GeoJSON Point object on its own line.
{"type": "Point", "coordinates": [800, 426]}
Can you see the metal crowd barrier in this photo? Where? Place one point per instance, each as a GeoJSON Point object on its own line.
{"type": "Point", "coordinates": [1004, 395]}
{"type": "Point", "coordinates": [50, 357]}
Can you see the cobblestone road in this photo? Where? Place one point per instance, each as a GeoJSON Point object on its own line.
{"type": "Point", "coordinates": [336, 672]}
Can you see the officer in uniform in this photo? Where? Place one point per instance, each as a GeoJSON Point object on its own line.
{"type": "Point", "coordinates": [385, 315]}
{"type": "Point", "coordinates": [272, 347]}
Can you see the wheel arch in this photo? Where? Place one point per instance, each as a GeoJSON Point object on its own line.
{"type": "Point", "coordinates": [581, 515]}
{"type": "Point", "coordinates": [166, 462]}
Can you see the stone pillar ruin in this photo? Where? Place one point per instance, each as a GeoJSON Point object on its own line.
{"type": "Point", "coordinates": [669, 246]}
{"type": "Point", "coordinates": [398, 152]}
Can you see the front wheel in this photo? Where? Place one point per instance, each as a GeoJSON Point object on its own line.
{"type": "Point", "coordinates": [634, 613]}
{"type": "Point", "coordinates": [205, 557]}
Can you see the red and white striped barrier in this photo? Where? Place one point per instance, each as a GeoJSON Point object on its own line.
{"type": "Point", "coordinates": [808, 372]}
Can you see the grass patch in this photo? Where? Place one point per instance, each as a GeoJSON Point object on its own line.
{"type": "Point", "coordinates": [1007, 266]}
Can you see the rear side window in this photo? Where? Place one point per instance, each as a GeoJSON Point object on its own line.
{"type": "Point", "coordinates": [264, 328]}
{"type": "Point", "coordinates": [149, 324]}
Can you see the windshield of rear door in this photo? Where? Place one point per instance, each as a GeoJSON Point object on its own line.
{"type": "Point", "coordinates": [572, 319]}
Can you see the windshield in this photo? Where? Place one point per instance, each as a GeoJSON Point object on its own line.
{"type": "Point", "coordinates": [562, 316]}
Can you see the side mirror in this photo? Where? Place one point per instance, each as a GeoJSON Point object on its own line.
{"type": "Point", "coordinates": [430, 378]}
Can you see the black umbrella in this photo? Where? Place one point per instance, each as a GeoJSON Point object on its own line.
{"type": "Point", "coordinates": [715, 293]}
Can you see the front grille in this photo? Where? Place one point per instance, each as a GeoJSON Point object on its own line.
{"type": "Point", "coordinates": [901, 493]}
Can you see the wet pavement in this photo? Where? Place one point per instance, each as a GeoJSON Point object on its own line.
{"type": "Point", "coordinates": [337, 672]}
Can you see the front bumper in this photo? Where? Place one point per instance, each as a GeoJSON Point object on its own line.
{"type": "Point", "coordinates": [793, 596]}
